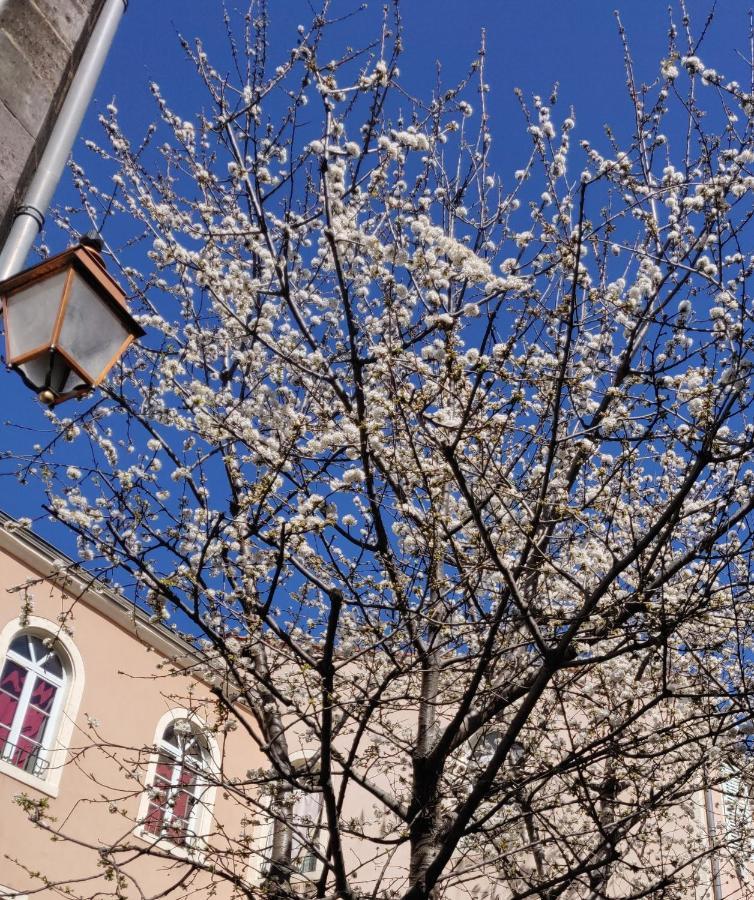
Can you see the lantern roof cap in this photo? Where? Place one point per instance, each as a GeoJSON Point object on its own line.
{"type": "Point", "coordinates": [92, 239]}
{"type": "Point", "coordinates": [88, 262]}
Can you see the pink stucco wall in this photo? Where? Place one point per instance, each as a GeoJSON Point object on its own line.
{"type": "Point", "coordinates": [127, 689]}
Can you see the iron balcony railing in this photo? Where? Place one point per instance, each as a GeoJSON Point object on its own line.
{"type": "Point", "coordinates": [23, 758]}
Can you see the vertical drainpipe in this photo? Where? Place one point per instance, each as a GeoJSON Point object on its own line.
{"type": "Point", "coordinates": [30, 215]}
{"type": "Point", "coordinates": [717, 888]}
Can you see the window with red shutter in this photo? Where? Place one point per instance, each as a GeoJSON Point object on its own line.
{"type": "Point", "coordinates": [178, 784]}
{"type": "Point", "coordinates": [32, 683]}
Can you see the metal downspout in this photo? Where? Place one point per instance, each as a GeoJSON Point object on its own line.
{"type": "Point", "coordinates": [30, 214]}
{"type": "Point", "coordinates": [717, 888]}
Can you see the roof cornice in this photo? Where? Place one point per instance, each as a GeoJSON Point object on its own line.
{"type": "Point", "coordinates": [49, 563]}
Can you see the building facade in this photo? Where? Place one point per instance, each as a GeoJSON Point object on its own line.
{"type": "Point", "coordinates": [41, 42]}
{"type": "Point", "coordinates": [110, 737]}
{"type": "Point", "coordinates": [101, 739]}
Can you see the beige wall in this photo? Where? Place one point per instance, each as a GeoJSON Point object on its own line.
{"type": "Point", "coordinates": [126, 693]}
{"type": "Point", "coordinates": [127, 689]}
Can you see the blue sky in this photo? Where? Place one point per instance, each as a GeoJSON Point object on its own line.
{"type": "Point", "coordinates": [531, 45]}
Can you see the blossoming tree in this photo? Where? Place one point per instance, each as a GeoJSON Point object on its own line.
{"type": "Point", "coordinates": [447, 476]}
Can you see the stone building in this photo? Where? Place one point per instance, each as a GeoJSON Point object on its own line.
{"type": "Point", "coordinates": [41, 43]}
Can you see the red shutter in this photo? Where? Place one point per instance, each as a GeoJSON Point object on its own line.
{"type": "Point", "coordinates": [11, 685]}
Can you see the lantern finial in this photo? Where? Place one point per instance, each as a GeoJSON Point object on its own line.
{"type": "Point", "coordinates": [93, 240]}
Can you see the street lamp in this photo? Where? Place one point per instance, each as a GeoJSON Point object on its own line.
{"type": "Point", "coordinates": [66, 323]}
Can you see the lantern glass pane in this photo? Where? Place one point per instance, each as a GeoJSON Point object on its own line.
{"type": "Point", "coordinates": [59, 377]}
{"type": "Point", "coordinates": [31, 314]}
{"type": "Point", "coordinates": [92, 333]}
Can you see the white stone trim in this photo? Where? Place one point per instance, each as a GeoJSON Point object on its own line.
{"type": "Point", "coordinates": [44, 560]}
{"type": "Point", "coordinates": [6, 891]}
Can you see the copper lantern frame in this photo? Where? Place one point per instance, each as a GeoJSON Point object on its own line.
{"type": "Point", "coordinates": [85, 261]}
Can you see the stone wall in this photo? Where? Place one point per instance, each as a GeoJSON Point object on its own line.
{"type": "Point", "coordinates": [41, 42]}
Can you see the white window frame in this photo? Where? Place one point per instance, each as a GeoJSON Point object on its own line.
{"type": "Point", "coordinates": [63, 716]}
{"type": "Point", "coordinates": [265, 833]}
{"type": "Point", "coordinates": [202, 814]}
{"type": "Point", "coordinates": [37, 673]}
{"type": "Point", "coordinates": [297, 833]}
{"type": "Point", "coordinates": [736, 802]}
{"type": "Point", "coordinates": [11, 894]}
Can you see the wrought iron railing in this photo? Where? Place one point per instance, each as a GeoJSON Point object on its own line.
{"type": "Point", "coordinates": [25, 759]}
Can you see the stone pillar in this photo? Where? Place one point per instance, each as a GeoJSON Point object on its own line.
{"type": "Point", "coordinates": [41, 42]}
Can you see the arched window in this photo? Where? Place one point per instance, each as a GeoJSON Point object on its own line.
{"type": "Point", "coordinates": [483, 746]}
{"type": "Point", "coordinates": [293, 825]}
{"type": "Point", "coordinates": [306, 832]}
{"type": "Point", "coordinates": [179, 785]}
{"type": "Point", "coordinates": [737, 797]}
{"type": "Point", "coordinates": [32, 690]}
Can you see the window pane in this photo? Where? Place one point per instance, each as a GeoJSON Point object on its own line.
{"type": "Point", "coordinates": [178, 829]}
{"type": "Point", "coordinates": [20, 645]}
{"type": "Point", "coordinates": [160, 789]}
{"type": "Point", "coordinates": [31, 314]}
{"type": "Point", "coordinates": [52, 665]}
{"type": "Point", "coordinates": [184, 803]}
{"type": "Point", "coordinates": [170, 736]}
{"type": "Point", "coordinates": [43, 695]}
{"type": "Point", "coordinates": [187, 778]}
{"type": "Point", "coordinates": [307, 864]}
{"type": "Point", "coordinates": [34, 725]}
{"type": "Point", "coordinates": [8, 706]}
{"type": "Point", "coordinates": [165, 767]}
{"type": "Point", "coordinates": [154, 819]}
{"type": "Point", "coordinates": [26, 755]}
{"type": "Point", "coordinates": [268, 838]}
{"type": "Point", "coordinates": [177, 832]}
{"type": "Point", "coordinates": [92, 333]}
{"type": "Point", "coordinates": [307, 808]}
{"type": "Point", "coordinates": [192, 749]}
{"type": "Point", "coordinates": [12, 679]}
{"type": "Point", "coordinates": [38, 649]}
{"type": "Point", "coordinates": [306, 818]}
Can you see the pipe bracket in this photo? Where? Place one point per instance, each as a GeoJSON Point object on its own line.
{"type": "Point", "coordinates": [26, 209]}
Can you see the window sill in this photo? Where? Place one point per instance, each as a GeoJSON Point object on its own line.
{"type": "Point", "coordinates": [33, 781]}
{"type": "Point", "coordinates": [189, 854]}
{"type": "Point", "coordinates": [298, 879]}
{"type": "Point", "coordinates": [304, 878]}
{"type": "Point", "coordinates": [7, 892]}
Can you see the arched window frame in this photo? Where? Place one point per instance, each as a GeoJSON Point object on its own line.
{"type": "Point", "coordinates": [737, 800]}
{"type": "Point", "coordinates": [10, 894]}
{"type": "Point", "coordinates": [483, 745]}
{"type": "Point", "coordinates": [200, 822]}
{"type": "Point", "coordinates": [482, 748]}
{"type": "Point", "coordinates": [306, 836]}
{"type": "Point", "coordinates": [58, 737]}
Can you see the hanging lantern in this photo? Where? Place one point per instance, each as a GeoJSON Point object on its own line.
{"type": "Point", "coordinates": [66, 323]}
